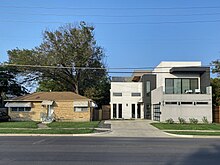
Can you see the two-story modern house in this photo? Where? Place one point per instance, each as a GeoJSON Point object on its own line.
{"type": "Point", "coordinates": [171, 90]}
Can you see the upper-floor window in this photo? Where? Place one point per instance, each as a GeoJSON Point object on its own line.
{"type": "Point", "coordinates": [117, 94]}
{"type": "Point", "coordinates": [180, 85]}
{"type": "Point", "coordinates": [136, 94]}
{"type": "Point", "coordinates": [148, 88]}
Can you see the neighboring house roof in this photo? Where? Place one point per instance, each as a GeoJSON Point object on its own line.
{"type": "Point", "coordinates": [55, 96]}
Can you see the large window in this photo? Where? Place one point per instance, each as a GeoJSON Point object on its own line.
{"type": "Point", "coordinates": [133, 110]}
{"type": "Point", "coordinates": [21, 109]}
{"type": "Point", "coordinates": [114, 110]}
{"type": "Point", "coordinates": [148, 88]}
{"type": "Point", "coordinates": [119, 110]}
{"type": "Point", "coordinates": [180, 85]}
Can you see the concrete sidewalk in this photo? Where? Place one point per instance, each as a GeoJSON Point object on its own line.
{"type": "Point", "coordinates": [133, 128]}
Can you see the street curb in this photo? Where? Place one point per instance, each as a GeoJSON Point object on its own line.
{"type": "Point", "coordinates": [192, 136]}
{"type": "Point", "coordinates": [59, 135]}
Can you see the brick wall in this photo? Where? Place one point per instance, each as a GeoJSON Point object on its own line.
{"type": "Point", "coordinates": [34, 114]}
{"type": "Point", "coordinates": [63, 111]}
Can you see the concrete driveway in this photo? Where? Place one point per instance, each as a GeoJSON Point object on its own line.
{"type": "Point", "coordinates": [133, 128]}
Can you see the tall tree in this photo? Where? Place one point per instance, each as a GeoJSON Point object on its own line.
{"type": "Point", "coordinates": [216, 67]}
{"type": "Point", "coordinates": [74, 61]}
{"type": "Point", "coordinates": [215, 83]}
{"type": "Point", "coordinates": [8, 84]}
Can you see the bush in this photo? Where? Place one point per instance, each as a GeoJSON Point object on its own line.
{"type": "Point", "coordinates": [205, 120]}
{"type": "Point", "coordinates": [170, 121]}
{"type": "Point", "coordinates": [193, 120]}
{"type": "Point", "coordinates": [181, 120]}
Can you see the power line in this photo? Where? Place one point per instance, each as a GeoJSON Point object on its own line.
{"type": "Point", "coordinates": [112, 8]}
{"type": "Point", "coordinates": [96, 68]}
{"type": "Point", "coordinates": [120, 23]}
{"type": "Point", "coordinates": [104, 15]}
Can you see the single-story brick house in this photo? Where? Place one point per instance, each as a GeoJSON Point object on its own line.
{"type": "Point", "coordinates": [47, 106]}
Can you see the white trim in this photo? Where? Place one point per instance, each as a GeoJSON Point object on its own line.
{"type": "Point", "coordinates": [18, 104]}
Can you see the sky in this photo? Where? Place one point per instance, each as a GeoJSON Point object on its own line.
{"type": "Point", "coordinates": [133, 33]}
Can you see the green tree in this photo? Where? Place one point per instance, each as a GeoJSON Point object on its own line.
{"type": "Point", "coordinates": [215, 83]}
{"type": "Point", "coordinates": [8, 84]}
{"type": "Point", "coordinates": [216, 67]}
{"type": "Point", "coordinates": [75, 62]}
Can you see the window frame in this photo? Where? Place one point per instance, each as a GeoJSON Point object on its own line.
{"type": "Point", "coordinates": [135, 94]}
{"type": "Point", "coordinates": [19, 109]}
{"type": "Point", "coordinates": [172, 88]}
{"type": "Point", "coordinates": [117, 94]}
{"type": "Point", "coordinates": [84, 107]}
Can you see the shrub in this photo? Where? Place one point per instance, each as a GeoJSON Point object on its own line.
{"type": "Point", "coordinates": [205, 120]}
{"type": "Point", "coordinates": [169, 121]}
{"type": "Point", "coordinates": [181, 120]}
{"type": "Point", "coordinates": [193, 120]}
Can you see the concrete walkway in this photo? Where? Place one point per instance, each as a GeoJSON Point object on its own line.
{"type": "Point", "coordinates": [42, 126]}
{"type": "Point", "coordinates": [133, 128]}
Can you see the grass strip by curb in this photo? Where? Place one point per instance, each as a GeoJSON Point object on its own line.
{"type": "Point", "coordinates": [194, 133]}
{"type": "Point", "coordinates": [20, 124]}
{"type": "Point", "coordinates": [166, 126]}
{"type": "Point", "coordinates": [92, 124]}
{"type": "Point", "coordinates": [46, 131]}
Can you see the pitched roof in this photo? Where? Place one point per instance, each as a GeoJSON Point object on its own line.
{"type": "Point", "coordinates": [55, 96]}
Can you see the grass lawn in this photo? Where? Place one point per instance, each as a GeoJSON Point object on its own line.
{"type": "Point", "coordinates": [194, 133]}
{"type": "Point", "coordinates": [92, 124]}
{"type": "Point", "coordinates": [166, 126]}
{"type": "Point", "coordinates": [46, 131]}
{"type": "Point", "coordinates": [20, 124]}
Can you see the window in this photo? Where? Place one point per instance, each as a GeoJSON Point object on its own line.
{"type": "Point", "coordinates": [133, 110]}
{"type": "Point", "coordinates": [201, 103]}
{"type": "Point", "coordinates": [177, 86]}
{"type": "Point", "coordinates": [114, 110]}
{"type": "Point", "coordinates": [185, 85]}
{"type": "Point", "coordinates": [117, 94]}
{"type": "Point", "coordinates": [180, 85]}
{"type": "Point", "coordinates": [148, 88]}
{"type": "Point", "coordinates": [156, 111]}
{"type": "Point", "coordinates": [135, 94]}
{"type": "Point", "coordinates": [185, 103]}
{"type": "Point", "coordinates": [169, 86]}
{"type": "Point", "coordinates": [20, 109]}
{"type": "Point", "coordinates": [138, 111]}
{"type": "Point", "coordinates": [119, 110]}
{"type": "Point", "coordinates": [171, 103]}
{"type": "Point", "coordinates": [80, 109]}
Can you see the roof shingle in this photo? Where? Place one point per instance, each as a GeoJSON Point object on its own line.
{"type": "Point", "coordinates": [55, 96]}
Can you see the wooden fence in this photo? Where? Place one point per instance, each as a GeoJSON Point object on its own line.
{"type": "Point", "coordinates": [216, 114]}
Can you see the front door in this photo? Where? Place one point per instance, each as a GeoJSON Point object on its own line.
{"type": "Point", "coordinates": [50, 110]}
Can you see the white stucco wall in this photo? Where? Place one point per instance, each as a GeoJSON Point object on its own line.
{"type": "Point", "coordinates": [126, 88]}
{"type": "Point", "coordinates": [183, 111]}
{"type": "Point", "coordinates": [162, 71]}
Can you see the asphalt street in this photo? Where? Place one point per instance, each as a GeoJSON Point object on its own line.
{"type": "Point", "coordinates": [107, 151]}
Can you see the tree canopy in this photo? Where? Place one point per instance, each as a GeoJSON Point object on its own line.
{"type": "Point", "coordinates": [215, 83]}
{"type": "Point", "coordinates": [8, 84]}
{"type": "Point", "coordinates": [216, 68]}
{"type": "Point", "coordinates": [70, 60]}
